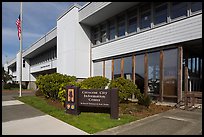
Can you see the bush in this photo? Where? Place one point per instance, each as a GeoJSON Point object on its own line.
{"type": "Point", "coordinates": [125, 87]}
{"type": "Point", "coordinates": [50, 84]}
{"type": "Point", "coordinates": [97, 82]}
{"type": "Point", "coordinates": [145, 101]}
{"type": "Point", "coordinates": [11, 85]}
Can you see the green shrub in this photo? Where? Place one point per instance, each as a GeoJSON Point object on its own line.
{"type": "Point", "coordinates": [7, 86]}
{"type": "Point", "coordinates": [96, 82]}
{"type": "Point", "coordinates": [125, 87]}
{"type": "Point", "coordinates": [12, 85]}
{"type": "Point", "coordinates": [50, 84]}
{"type": "Point", "coordinates": [145, 101]}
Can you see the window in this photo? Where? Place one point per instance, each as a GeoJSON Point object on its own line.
{"type": "Point", "coordinates": [108, 68]}
{"type": "Point", "coordinates": [24, 63]}
{"type": "Point", "coordinates": [117, 70]}
{"type": "Point", "coordinates": [128, 68]}
{"type": "Point", "coordinates": [103, 33]}
{"type": "Point", "coordinates": [160, 14]}
{"type": "Point", "coordinates": [196, 6]}
{"type": "Point", "coordinates": [111, 30]}
{"type": "Point", "coordinates": [96, 36]}
{"type": "Point", "coordinates": [139, 72]}
{"type": "Point", "coordinates": [132, 25]}
{"type": "Point", "coordinates": [98, 68]}
{"type": "Point", "coordinates": [132, 21]}
{"type": "Point", "coordinates": [170, 72]}
{"type": "Point", "coordinates": [153, 72]}
{"type": "Point", "coordinates": [121, 26]}
{"type": "Point", "coordinates": [178, 9]}
{"type": "Point", "coordinates": [145, 18]}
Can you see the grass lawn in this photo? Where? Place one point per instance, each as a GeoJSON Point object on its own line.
{"type": "Point", "coordinates": [86, 121]}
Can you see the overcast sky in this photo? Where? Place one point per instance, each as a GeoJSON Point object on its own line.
{"type": "Point", "coordinates": [38, 19]}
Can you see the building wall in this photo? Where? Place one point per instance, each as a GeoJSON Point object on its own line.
{"type": "Point", "coordinates": [175, 32]}
{"type": "Point", "coordinates": [73, 46]}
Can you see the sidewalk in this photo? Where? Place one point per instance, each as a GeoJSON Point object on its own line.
{"type": "Point", "coordinates": [21, 119]}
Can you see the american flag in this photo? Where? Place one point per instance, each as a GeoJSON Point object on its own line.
{"type": "Point", "coordinates": [18, 24]}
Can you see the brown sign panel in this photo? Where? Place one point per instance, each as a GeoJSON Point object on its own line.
{"type": "Point", "coordinates": [94, 98]}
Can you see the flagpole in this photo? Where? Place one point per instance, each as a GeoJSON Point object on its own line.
{"type": "Point", "coordinates": [21, 37]}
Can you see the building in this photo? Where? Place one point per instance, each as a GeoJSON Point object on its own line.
{"type": "Point", "coordinates": [157, 45]}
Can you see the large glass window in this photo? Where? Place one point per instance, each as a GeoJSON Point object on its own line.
{"type": "Point", "coordinates": [153, 72]}
{"type": "Point", "coordinates": [178, 9]}
{"type": "Point", "coordinates": [117, 69]}
{"type": "Point", "coordinates": [196, 6]}
{"type": "Point", "coordinates": [170, 72]}
{"type": "Point", "coordinates": [128, 68]}
{"type": "Point", "coordinates": [139, 72]}
{"type": "Point", "coordinates": [108, 68]}
{"type": "Point", "coordinates": [98, 68]}
{"type": "Point", "coordinates": [145, 18]}
{"type": "Point", "coordinates": [132, 21]}
{"type": "Point", "coordinates": [160, 14]}
{"type": "Point", "coordinates": [96, 34]}
{"type": "Point", "coordinates": [111, 30]}
{"type": "Point", "coordinates": [121, 25]}
{"type": "Point", "coordinates": [103, 33]}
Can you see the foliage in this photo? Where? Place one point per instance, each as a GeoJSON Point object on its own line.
{"type": "Point", "coordinates": [125, 87]}
{"type": "Point", "coordinates": [5, 76]}
{"type": "Point", "coordinates": [96, 82]}
{"type": "Point", "coordinates": [50, 84]}
{"type": "Point", "coordinates": [144, 100]}
{"type": "Point", "coordinates": [12, 85]}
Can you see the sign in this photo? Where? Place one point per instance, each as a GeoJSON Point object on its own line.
{"type": "Point", "coordinates": [104, 98]}
{"type": "Point", "coordinates": [71, 100]}
{"type": "Point", "coordinates": [94, 98]}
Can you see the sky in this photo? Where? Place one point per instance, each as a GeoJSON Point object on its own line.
{"type": "Point", "coordinates": [38, 19]}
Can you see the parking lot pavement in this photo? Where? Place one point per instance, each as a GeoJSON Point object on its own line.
{"type": "Point", "coordinates": [172, 122]}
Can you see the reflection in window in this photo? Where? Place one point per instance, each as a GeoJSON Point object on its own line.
{"type": "Point", "coordinates": [153, 72]}
{"type": "Point", "coordinates": [111, 30]}
{"type": "Point", "coordinates": [103, 33]}
{"type": "Point", "coordinates": [121, 26]}
{"type": "Point", "coordinates": [160, 14]}
{"type": "Point", "coordinates": [98, 68]}
{"type": "Point", "coordinates": [178, 9]}
{"type": "Point", "coordinates": [132, 21]}
{"type": "Point", "coordinates": [108, 69]}
{"type": "Point", "coordinates": [117, 70]}
{"type": "Point", "coordinates": [139, 72]}
{"type": "Point", "coordinates": [170, 72]}
{"type": "Point", "coordinates": [128, 68]}
{"type": "Point", "coordinates": [96, 36]}
{"type": "Point", "coordinates": [196, 6]}
{"type": "Point", "coordinates": [145, 18]}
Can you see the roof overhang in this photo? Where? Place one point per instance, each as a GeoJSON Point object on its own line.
{"type": "Point", "coordinates": [99, 14]}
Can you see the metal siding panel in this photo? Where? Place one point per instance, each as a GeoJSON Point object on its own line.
{"type": "Point", "coordinates": [180, 31]}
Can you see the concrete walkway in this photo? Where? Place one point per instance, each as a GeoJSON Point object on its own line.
{"type": "Point", "coordinates": [21, 119]}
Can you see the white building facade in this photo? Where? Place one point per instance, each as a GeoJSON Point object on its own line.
{"type": "Point", "coordinates": [149, 43]}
